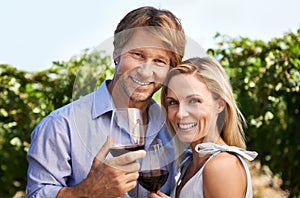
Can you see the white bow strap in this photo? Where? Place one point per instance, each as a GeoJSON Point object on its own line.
{"type": "Point", "coordinates": [211, 148]}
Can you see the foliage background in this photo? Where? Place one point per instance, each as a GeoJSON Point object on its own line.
{"type": "Point", "coordinates": [266, 80]}
{"type": "Point", "coordinates": [264, 75]}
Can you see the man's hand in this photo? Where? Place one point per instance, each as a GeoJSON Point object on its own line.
{"type": "Point", "coordinates": [108, 177]}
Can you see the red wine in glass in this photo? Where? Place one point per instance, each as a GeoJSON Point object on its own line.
{"type": "Point", "coordinates": [153, 180]}
{"type": "Point", "coordinates": [120, 150]}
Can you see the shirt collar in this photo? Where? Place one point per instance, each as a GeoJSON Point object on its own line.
{"type": "Point", "coordinates": [102, 102]}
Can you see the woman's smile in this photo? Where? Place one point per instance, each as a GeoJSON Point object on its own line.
{"type": "Point", "coordinates": [186, 126]}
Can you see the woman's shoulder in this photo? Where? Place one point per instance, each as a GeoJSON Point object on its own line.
{"type": "Point", "coordinates": [225, 171]}
{"type": "Point", "coordinates": [224, 162]}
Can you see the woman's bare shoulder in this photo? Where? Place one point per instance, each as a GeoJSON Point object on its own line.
{"type": "Point", "coordinates": [225, 171]}
{"type": "Point", "coordinates": [224, 161]}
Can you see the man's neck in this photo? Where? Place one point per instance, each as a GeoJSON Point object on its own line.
{"type": "Point", "coordinates": [121, 100]}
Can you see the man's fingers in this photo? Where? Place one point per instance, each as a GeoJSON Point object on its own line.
{"type": "Point", "coordinates": [130, 157]}
{"type": "Point", "coordinates": [127, 162]}
{"type": "Point", "coordinates": [128, 168]}
{"type": "Point", "coordinates": [101, 155]}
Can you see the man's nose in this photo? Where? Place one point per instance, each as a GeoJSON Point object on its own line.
{"type": "Point", "coordinates": [146, 69]}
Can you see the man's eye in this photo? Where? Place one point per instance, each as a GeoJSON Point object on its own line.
{"type": "Point", "coordinates": [160, 62]}
{"type": "Point", "coordinates": [136, 54]}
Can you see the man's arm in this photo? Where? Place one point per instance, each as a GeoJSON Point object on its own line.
{"type": "Point", "coordinates": [48, 159]}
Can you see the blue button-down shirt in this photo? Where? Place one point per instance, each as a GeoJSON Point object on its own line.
{"type": "Point", "coordinates": [64, 144]}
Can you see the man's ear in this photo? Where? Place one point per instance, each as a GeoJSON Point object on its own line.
{"type": "Point", "coordinates": [116, 57]}
{"type": "Point", "coordinates": [221, 105]}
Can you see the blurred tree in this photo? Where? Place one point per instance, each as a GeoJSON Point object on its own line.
{"type": "Point", "coordinates": [25, 98]}
{"type": "Point", "coordinates": [266, 80]}
{"type": "Point", "coordinates": [16, 115]}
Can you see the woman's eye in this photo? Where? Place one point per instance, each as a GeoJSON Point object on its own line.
{"type": "Point", "coordinates": [195, 100]}
{"type": "Point", "coordinates": [172, 102]}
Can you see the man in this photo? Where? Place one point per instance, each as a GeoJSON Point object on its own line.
{"type": "Point", "coordinates": [68, 152]}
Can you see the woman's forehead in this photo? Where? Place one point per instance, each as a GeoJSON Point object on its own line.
{"type": "Point", "coordinates": [183, 84]}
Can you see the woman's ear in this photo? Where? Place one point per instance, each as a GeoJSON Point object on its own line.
{"type": "Point", "coordinates": [221, 105]}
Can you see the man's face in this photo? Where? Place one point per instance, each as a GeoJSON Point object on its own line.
{"type": "Point", "coordinates": [142, 66]}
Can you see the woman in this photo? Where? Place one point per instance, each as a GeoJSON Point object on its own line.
{"type": "Point", "coordinates": [202, 111]}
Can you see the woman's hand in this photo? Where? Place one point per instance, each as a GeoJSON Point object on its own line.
{"type": "Point", "coordinates": [158, 194]}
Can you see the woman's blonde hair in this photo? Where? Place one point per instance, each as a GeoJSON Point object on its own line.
{"type": "Point", "coordinates": [230, 121]}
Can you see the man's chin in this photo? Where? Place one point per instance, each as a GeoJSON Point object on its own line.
{"type": "Point", "coordinates": [141, 97]}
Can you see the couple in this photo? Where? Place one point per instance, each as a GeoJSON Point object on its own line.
{"type": "Point", "coordinates": [68, 152]}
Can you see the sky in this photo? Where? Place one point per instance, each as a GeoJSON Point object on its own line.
{"type": "Point", "coordinates": [34, 33]}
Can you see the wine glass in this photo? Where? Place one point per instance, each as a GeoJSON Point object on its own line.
{"type": "Point", "coordinates": [154, 170]}
{"type": "Point", "coordinates": [127, 131]}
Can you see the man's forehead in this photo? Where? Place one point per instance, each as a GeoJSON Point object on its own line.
{"type": "Point", "coordinates": [141, 39]}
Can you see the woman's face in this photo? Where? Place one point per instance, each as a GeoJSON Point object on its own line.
{"type": "Point", "coordinates": [192, 110]}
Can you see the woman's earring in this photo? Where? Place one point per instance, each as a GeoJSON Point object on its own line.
{"type": "Point", "coordinates": [115, 62]}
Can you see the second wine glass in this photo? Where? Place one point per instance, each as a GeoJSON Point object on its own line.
{"type": "Point", "coordinates": [154, 170]}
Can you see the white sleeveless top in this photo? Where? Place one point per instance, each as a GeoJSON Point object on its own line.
{"type": "Point", "coordinates": [194, 187]}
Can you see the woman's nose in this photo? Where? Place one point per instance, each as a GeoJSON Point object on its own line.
{"type": "Point", "coordinates": [182, 111]}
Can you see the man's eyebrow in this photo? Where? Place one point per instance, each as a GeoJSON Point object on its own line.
{"type": "Point", "coordinates": [162, 57]}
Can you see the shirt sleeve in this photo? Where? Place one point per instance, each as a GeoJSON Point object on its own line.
{"type": "Point", "coordinates": [48, 158]}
